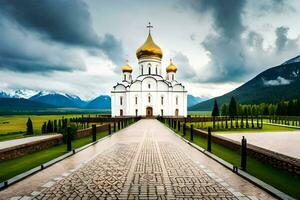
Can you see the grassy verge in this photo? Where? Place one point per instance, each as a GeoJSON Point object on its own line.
{"type": "Point", "coordinates": [11, 168]}
{"type": "Point", "coordinates": [266, 127]}
{"type": "Point", "coordinates": [279, 179]}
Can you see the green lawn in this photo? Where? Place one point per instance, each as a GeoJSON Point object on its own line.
{"type": "Point", "coordinates": [280, 179]}
{"type": "Point", "coordinates": [19, 165]}
{"type": "Point", "coordinates": [14, 126]}
{"type": "Point", "coordinates": [266, 127]}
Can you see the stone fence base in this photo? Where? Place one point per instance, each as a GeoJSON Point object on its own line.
{"type": "Point", "coordinates": [31, 147]}
{"type": "Point", "coordinates": [290, 164]}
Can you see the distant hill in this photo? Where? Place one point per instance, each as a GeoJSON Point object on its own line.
{"type": "Point", "coordinates": [101, 102]}
{"type": "Point", "coordinates": [19, 104]}
{"type": "Point", "coordinates": [192, 100]}
{"type": "Point", "coordinates": [278, 83]}
{"type": "Point", "coordinates": [58, 99]}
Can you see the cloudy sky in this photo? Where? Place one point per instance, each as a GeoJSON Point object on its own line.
{"type": "Point", "coordinates": [79, 46]}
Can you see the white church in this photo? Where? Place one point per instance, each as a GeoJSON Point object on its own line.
{"type": "Point", "coordinates": [150, 94]}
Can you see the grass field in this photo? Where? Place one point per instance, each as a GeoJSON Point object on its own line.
{"type": "Point", "coordinates": [266, 127]}
{"type": "Point", "coordinates": [280, 179]}
{"type": "Point", "coordinates": [14, 126]}
{"type": "Point", "coordinates": [19, 165]}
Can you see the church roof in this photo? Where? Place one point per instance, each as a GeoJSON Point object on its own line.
{"type": "Point", "coordinates": [149, 49]}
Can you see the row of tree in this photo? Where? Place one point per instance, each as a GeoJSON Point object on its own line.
{"type": "Point", "coordinates": [55, 126]}
{"type": "Point", "coordinates": [282, 108]}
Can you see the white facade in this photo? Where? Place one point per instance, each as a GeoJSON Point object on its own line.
{"type": "Point", "coordinates": [149, 94]}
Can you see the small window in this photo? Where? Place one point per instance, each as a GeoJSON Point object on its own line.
{"type": "Point", "coordinates": [136, 112]}
{"type": "Point", "coordinates": [149, 99]}
{"type": "Point", "coordinates": [176, 100]}
{"type": "Point", "coordinates": [121, 100]}
{"type": "Point", "coordinates": [162, 112]}
{"type": "Point", "coordinates": [172, 76]}
{"type": "Point", "coordinates": [149, 70]}
{"type": "Point", "coordinates": [142, 70]}
{"type": "Point", "coordinates": [162, 100]}
{"type": "Point", "coordinates": [136, 100]}
{"type": "Point", "coordinates": [149, 86]}
{"type": "Point", "coordinates": [124, 77]}
{"type": "Point", "coordinates": [156, 70]}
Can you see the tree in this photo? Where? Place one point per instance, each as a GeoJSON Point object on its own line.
{"type": "Point", "coordinates": [224, 110]}
{"type": "Point", "coordinates": [215, 111]}
{"type": "Point", "coordinates": [44, 128]}
{"type": "Point", "coordinates": [29, 129]}
{"type": "Point", "coordinates": [55, 125]}
{"type": "Point", "coordinates": [232, 111]}
{"type": "Point", "coordinates": [49, 127]}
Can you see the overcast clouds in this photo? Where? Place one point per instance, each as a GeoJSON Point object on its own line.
{"type": "Point", "coordinates": [78, 46]}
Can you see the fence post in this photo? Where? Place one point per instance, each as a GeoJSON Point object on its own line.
{"type": "Point", "coordinates": [214, 122]}
{"type": "Point", "coordinates": [114, 126]}
{"type": "Point", "coordinates": [109, 129]}
{"type": "Point", "coordinates": [119, 126]}
{"type": "Point", "coordinates": [69, 142]}
{"type": "Point", "coordinates": [209, 139]}
{"type": "Point", "coordinates": [175, 123]}
{"type": "Point", "coordinates": [244, 154]}
{"type": "Point", "coordinates": [178, 125]}
{"type": "Point", "coordinates": [184, 129]}
{"type": "Point", "coordinates": [192, 132]}
{"type": "Point", "coordinates": [94, 132]}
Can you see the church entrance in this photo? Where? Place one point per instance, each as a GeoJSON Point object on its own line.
{"type": "Point", "coordinates": [149, 112]}
{"type": "Point", "coordinates": [176, 112]}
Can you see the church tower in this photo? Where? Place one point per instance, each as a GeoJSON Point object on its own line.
{"type": "Point", "coordinates": [150, 93]}
{"type": "Point", "coordinates": [149, 56]}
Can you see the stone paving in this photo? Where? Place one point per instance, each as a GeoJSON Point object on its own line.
{"type": "Point", "coordinates": [284, 142]}
{"type": "Point", "coordinates": [150, 165]}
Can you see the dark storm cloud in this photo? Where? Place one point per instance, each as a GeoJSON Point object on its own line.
{"type": "Point", "coordinates": [55, 22]}
{"type": "Point", "coordinates": [283, 43]}
{"type": "Point", "coordinates": [226, 48]}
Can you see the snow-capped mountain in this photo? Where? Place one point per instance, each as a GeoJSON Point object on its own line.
{"type": "Point", "coordinates": [21, 93]}
{"type": "Point", "coordinates": [58, 99]}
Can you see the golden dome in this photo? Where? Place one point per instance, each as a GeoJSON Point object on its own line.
{"type": "Point", "coordinates": [127, 68]}
{"type": "Point", "coordinates": [171, 67]}
{"type": "Point", "coordinates": [149, 50]}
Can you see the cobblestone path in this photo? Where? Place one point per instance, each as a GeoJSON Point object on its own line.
{"type": "Point", "coordinates": [144, 161]}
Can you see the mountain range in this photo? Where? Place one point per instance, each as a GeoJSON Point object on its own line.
{"type": "Point", "coordinates": [272, 85]}
{"type": "Point", "coordinates": [14, 99]}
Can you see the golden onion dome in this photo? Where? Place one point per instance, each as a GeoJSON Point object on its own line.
{"type": "Point", "coordinates": [149, 50]}
{"type": "Point", "coordinates": [171, 67]}
{"type": "Point", "coordinates": [126, 68]}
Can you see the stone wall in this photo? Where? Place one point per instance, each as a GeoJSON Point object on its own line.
{"type": "Point", "coordinates": [88, 131]}
{"type": "Point", "coordinates": [292, 165]}
{"type": "Point", "coordinates": [31, 147]}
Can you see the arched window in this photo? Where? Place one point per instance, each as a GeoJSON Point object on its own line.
{"type": "Point", "coordinates": [149, 70]}
{"type": "Point", "coordinates": [149, 86]}
{"type": "Point", "coordinates": [142, 69]}
{"type": "Point", "coordinates": [156, 70]}
{"type": "Point", "coordinates": [162, 112]}
{"type": "Point", "coordinates": [136, 112]}
{"type": "Point", "coordinates": [172, 76]}
{"type": "Point", "coordinates": [121, 100]}
{"type": "Point", "coordinates": [176, 100]}
{"type": "Point", "coordinates": [162, 100]}
{"type": "Point", "coordinates": [136, 100]}
{"type": "Point", "coordinates": [124, 77]}
{"type": "Point", "coordinates": [149, 99]}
